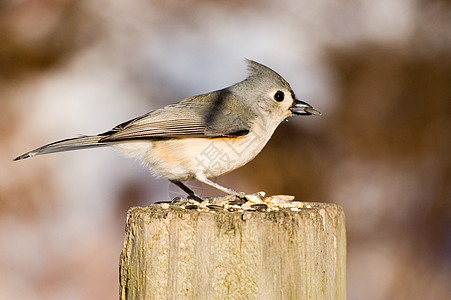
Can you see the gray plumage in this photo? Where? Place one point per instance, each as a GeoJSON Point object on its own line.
{"type": "Point", "coordinates": [77, 143]}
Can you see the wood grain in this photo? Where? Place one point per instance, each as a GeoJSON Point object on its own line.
{"type": "Point", "coordinates": [189, 254]}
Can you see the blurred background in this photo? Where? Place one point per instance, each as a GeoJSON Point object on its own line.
{"type": "Point", "coordinates": [379, 71]}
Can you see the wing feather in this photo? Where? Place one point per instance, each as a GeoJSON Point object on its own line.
{"type": "Point", "coordinates": [186, 119]}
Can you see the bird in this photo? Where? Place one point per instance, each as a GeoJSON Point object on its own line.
{"type": "Point", "coordinates": [203, 136]}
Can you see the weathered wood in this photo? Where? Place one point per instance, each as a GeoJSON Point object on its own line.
{"type": "Point", "coordinates": [187, 254]}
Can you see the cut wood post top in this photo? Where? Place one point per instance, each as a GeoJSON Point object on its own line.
{"type": "Point", "coordinates": [217, 253]}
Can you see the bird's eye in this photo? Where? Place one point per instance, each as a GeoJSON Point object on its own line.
{"type": "Point", "coordinates": [278, 96]}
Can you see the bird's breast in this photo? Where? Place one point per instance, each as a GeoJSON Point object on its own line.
{"type": "Point", "coordinates": [183, 158]}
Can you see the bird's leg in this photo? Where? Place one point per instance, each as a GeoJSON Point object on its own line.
{"type": "Point", "coordinates": [188, 190]}
{"type": "Point", "coordinates": [219, 187]}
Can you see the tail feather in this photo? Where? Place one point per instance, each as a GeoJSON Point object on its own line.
{"type": "Point", "coordinates": [82, 142]}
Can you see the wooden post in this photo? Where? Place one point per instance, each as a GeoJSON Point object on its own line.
{"type": "Point", "coordinates": [173, 253]}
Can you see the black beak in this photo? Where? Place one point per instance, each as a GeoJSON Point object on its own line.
{"type": "Point", "coordinates": [303, 108]}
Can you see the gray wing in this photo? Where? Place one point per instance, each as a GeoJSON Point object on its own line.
{"type": "Point", "coordinates": [204, 116]}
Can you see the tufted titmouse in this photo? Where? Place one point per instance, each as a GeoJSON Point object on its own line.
{"type": "Point", "coordinates": [203, 136]}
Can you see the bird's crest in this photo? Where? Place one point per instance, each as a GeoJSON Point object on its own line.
{"type": "Point", "coordinates": [262, 73]}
